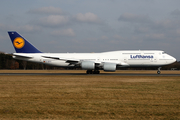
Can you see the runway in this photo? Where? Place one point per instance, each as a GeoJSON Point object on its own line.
{"type": "Point", "coordinates": [81, 74]}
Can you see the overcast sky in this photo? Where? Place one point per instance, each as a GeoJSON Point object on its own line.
{"type": "Point", "coordinates": [92, 25]}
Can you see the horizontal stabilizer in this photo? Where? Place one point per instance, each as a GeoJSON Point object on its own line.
{"type": "Point", "coordinates": [22, 56]}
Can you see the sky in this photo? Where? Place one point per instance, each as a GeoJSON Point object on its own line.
{"type": "Point", "coordinates": [74, 26]}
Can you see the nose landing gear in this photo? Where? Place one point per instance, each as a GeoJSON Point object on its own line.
{"type": "Point", "coordinates": [159, 70]}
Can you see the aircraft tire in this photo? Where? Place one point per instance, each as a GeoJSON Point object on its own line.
{"type": "Point", "coordinates": [96, 72]}
{"type": "Point", "coordinates": [89, 72]}
{"type": "Point", "coordinates": [158, 72]}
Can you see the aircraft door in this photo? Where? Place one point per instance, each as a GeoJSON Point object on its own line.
{"type": "Point", "coordinates": [125, 59]}
{"type": "Point", "coordinates": [155, 58]}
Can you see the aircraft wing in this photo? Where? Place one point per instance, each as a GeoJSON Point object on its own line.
{"type": "Point", "coordinates": [69, 60]}
{"type": "Point", "coordinates": [75, 61]}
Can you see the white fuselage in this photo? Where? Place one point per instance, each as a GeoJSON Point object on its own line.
{"type": "Point", "coordinates": [133, 58]}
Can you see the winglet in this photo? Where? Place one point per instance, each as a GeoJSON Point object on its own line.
{"type": "Point", "coordinates": [21, 45]}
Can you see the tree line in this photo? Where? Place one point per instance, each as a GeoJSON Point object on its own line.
{"type": "Point", "coordinates": [7, 62]}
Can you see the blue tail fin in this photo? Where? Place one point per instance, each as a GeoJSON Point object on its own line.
{"type": "Point", "coordinates": [21, 45]}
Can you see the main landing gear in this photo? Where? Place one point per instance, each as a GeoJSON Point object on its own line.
{"type": "Point", "coordinates": [159, 70]}
{"type": "Point", "coordinates": [92, 72]}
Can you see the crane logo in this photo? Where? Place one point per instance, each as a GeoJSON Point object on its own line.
{"type": "Point", "coordinates": [19, 42]}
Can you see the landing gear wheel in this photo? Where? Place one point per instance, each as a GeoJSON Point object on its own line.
{"type": "Point", "coordinates": [92, 72]}
{"type": "Point", "coordinates": [158, 72]}
{"type": "Point", "coordinates": [96, 72]}
{"type": "Point", "coordinates": [89, 72]}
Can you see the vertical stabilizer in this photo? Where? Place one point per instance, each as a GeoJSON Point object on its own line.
{"type": "Point", "coordinates": [21, 45]}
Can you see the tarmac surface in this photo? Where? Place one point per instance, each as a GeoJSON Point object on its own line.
{"type": "Point", "coordinates": [79, 74]}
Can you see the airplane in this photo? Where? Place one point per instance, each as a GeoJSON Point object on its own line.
{"type": "Point", "coordinates": [92, 62]}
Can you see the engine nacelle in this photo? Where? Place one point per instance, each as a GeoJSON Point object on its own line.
{"type": "Point", "coordinates": [88, 65]}
{"type": "Point", "coordinates": [109, 67]}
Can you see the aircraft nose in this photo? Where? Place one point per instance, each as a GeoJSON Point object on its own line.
{"type": "Point", "coordinates": [174, 59]}
{"type": "Point", "coordinates": [170, 59]}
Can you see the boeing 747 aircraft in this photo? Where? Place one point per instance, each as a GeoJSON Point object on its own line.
{"type": "Point", "coordinates": [92, 62]}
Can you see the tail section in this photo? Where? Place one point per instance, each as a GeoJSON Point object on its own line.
{"type": "Point", "coordinates": [21, 45]}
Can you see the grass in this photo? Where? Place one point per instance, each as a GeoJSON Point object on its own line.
{"type": "Point", "coordinates": [89, 97]}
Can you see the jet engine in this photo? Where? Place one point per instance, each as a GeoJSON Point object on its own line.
{"type": "Point", "coordinates": [111, 67]}
{"type": "Point", "coordinates": [88, 65]}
